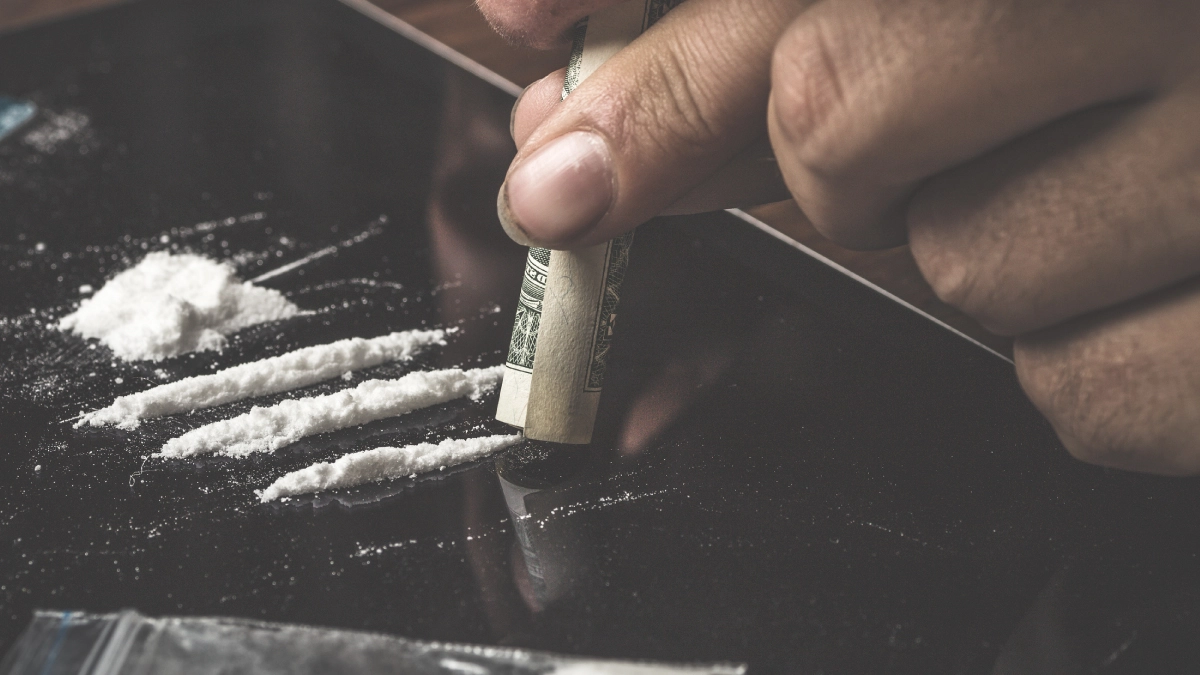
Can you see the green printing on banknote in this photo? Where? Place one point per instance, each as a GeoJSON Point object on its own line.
{"type": "Point", "coordinates": [655, 9]}
{"type": "Point", "coordinates": [616, 261]}
{"type": "Point", "coordinates": [578, 34]}
{"type": "Point", "coordinates": [529, 310]}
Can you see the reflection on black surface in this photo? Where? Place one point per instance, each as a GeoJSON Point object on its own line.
{"type": "Point", "coordinates": [788, 469]}
{"type": "Point", "coordinates": [553, 555]}
{"type": "Point", "coordinates": [1123, 616]}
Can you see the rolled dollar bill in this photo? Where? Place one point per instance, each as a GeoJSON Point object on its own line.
{"type": "Point", "coordinates": [567, 309]}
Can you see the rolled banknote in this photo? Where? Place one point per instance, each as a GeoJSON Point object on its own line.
{"type": "Point", "coordinates": [568, 305]}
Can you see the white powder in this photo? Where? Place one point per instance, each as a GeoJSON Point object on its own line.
{"type": "Point", "coordinates": [168, 305]}
{"type": "Point", "coordinates": [268, 429]}
{"type": "Point", "coordinates": [372, 466]}
{"type": "Point", "coordinates": [56, 130]}
{"type": "Point", "coordinates": [259, 378]}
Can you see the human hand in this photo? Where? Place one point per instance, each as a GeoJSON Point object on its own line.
{"type": "Point", "coordinates": [1042, 158]}
{"type": "Point", "coordinates": [675, 123]}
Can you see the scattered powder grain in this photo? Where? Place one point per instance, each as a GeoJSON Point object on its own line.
{"type": "Point", "coordinates": [271, 428]}
{"type": "Point", "coordinates": [168, 305]}
{"type": "Point", "coordinates": [259, 378]}
{"type": "Point", "coordinates": [372, 466]}
{"type": "Point", "coordinates": [56, 130]}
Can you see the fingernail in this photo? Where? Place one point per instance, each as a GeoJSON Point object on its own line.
{"type": "Point", "coordinates": [558, 193]}
{"type": "Point", "coordinates": [507, 221]}
{"type": "Point", "coordinates": [512, 115]}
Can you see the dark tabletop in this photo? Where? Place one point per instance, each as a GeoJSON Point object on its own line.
{"type": "Point", "coordinates": [789, 470]}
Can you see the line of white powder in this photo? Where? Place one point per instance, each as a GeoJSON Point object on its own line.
{"type": "Point", "coordinates": [267, 376]}
{"type": "Point", "coordinates": [268, 429]}
{"type": "Point", "coordinates": [372, 466]}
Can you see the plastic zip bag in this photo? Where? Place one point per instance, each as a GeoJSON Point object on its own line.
{"type": "Point", "coordinates": [14, 114]}
{"type": "Point", "coordinates": [127, 643]}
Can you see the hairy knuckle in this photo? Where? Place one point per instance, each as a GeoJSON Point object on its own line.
{"type": "Point", "coordinates": [1068, 392]}
{"type": "Point", "coordinates": [1101, 402]}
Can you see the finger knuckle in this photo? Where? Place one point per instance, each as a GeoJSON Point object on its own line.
{"type": "Point", "coordinates": [969, 266]}
{"type": "Point", "coordinates": [1105, 403]}
{"type": "Point", "coordinates": [954, 276]}
{"type": "Point", "coordinates": [686, 117]}
{"type": "Point", "coordinates": [666, 108]}
{"type": "Point", "coordinates": [808, 96]}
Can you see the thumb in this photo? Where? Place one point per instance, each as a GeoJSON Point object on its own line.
{"type": "Point", "coordinates": [661, 117]}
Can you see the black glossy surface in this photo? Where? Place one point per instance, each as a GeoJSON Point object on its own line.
{"type": "Point", "coordinates": [790, 470]}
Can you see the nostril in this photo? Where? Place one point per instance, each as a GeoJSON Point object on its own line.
{"type": "Point", "coordinates": [540, 24]}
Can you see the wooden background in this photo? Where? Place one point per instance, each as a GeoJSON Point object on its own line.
{"type": "Point", "coordinates": [458, 24]}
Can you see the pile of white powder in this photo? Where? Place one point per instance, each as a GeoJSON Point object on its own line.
{"type": "Point", "coordinates": [267, 376]}
{"type": "Point", "coordinates": [372, 466]}
{"type": "Point", "coordinates": [266, 429]}
{"type": "Point", "coordinates": [168, 305]}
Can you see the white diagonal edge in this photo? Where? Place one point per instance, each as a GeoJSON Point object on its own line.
{"type": "Point", "coordinates": [865, 282]}
{"type": "Point", "coordinates": [434, 45]}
